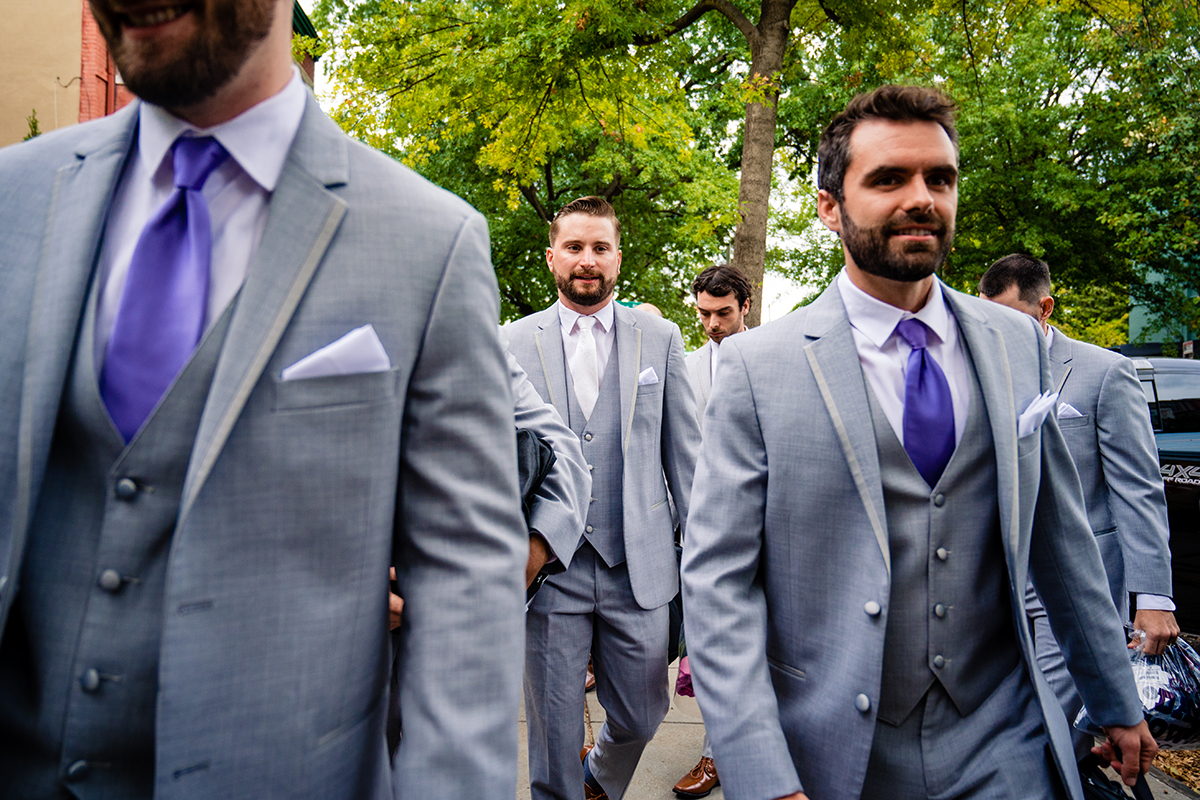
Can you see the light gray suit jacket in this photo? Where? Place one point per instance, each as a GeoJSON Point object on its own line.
{"type": "Point", "coordinates": [659, 432]}
{"type": "Point", "coordinates": [699, 366]}
{"type": "Point", "coordinates": [788, 539]}
{"type": "Point", "coordinates": [1114, 450]}
{"type": "Point", "coordinates": [300, 493]}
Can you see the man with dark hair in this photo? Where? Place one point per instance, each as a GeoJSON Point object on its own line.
{"type": "Point", "coordinates": [246, 364]}
{"type": "Point", "coordinates": [617, 377]}
{"type": "Point", "coordinates": [723, 297]}
{"type": "Point", "coordinates": [878, 473]}
{"type": "Point", "coordinates": [1103, 416]}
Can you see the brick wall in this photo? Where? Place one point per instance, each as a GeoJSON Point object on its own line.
{"type": "Point", "coordinates": [101, 91]}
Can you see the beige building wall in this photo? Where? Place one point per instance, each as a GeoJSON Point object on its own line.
{"type": "Point", "coordinates": [39, 54]}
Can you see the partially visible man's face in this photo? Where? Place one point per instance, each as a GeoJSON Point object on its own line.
{"type": "Point", "coordinates": [721, 316]}
{"type": "Point", "coordinates": [900, 198]}
{"type": "Point", "coordinates": [585, 260]}
{"type": "Point", "coordinates": [177, 53]}
{"type": "Point", "coordinates": [1011, 297]}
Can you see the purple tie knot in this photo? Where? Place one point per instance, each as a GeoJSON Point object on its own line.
{"type": "Point", "coordinates": [194, 160]}
{"type": "Point", "coordinates": [914, 332]}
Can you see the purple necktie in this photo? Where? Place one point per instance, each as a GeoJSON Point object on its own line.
{"type": "Point", "coordinates": [928, 410]}
{"type": "Point", "coordinates": [161, 315]}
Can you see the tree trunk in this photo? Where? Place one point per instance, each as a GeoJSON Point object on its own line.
{"type": "Point", "coordinates": [758, 149]}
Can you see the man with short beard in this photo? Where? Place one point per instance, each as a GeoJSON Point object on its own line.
{"type": "Point", "coordinates": [617, 377]}
{"type": "Point", "coordinates": [246, 364]}
{"type": "Point", "coordinates": [880, 475]}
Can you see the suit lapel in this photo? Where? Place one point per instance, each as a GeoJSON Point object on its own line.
{"type": "Point", "coordinates": [834, 362]}
{"type": "Point", "coordinates": [996, 386]}
{"type": "Point", "coordinates": [1060, 360]}
{"type": "Point", "coordinates": [629, 358]}
{"type": "Point", "coordinates": [80, 199]}
{"type": "Point", "coordinates": [705, 375]}
{"type": "Point", "coordinates": [548, 338]}
{"type": "Point", "coordinates": [304, 216]}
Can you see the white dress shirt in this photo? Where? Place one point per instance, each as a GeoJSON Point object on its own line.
{"type": "Point", "coordinates": [883, 353]}
{"type": "Point", "coordinates": [603, 332]}
{"type": "Point", "coordinates": [238, 194]}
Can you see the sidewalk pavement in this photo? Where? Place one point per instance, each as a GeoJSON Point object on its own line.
{"type": "Point", "coordinates": [676, 749]}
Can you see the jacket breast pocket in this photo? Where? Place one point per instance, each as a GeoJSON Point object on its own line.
{"type": "Point", "coordinates": [363, 388]}
{"type": "Point", "coordinates": [650, 388]}
{"type": "Point", "coordinates": [1067, 423]}
{"type": "Point", "coordinates": [1029, 443]}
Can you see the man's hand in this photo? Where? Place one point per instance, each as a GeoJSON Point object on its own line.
{"type": "Point", "coordinates": [539, 554]}
{"type": "Point", "coordinates": [1134, 746]}
{"type": "Point", "coordinates": [395, 605]}
{"type": "Point", "coordinates": [1160, 627]}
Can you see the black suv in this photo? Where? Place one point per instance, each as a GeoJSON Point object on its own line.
{"type": "Point", "coordinates": [1172, 387]}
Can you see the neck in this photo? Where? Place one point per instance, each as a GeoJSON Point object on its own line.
{"type": "Point", "coordinates": [908, 295]}
{"type": "Point", "coordinates": [266, 71]}
{"type": "Point", "coordinates": [587, 311]}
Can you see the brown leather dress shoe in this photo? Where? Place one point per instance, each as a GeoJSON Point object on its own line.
{"type": "Point", "coordinates": [700, 781]}
{"type": "Point", "coordinates": [589, 682]}
{"type": "Point", "coordinates": [588, 792]}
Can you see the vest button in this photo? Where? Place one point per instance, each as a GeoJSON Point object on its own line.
{"type": "Point", "coordinates": [589, 529]}
{"type": "Point", "coordinates": [862, 703]}
{"type": "Point", "coordinates": [90, 681]}
{"type": "Point", "coordinates": [942, 554]}
{"type": "Point", "coordinates": [872, 608]}
{"type": "Point", "coordinates": [587, 437]}
{"type": "Point", "coordinates": [939, 662]}
{"type": "Point", "coordinates": [939, 499]}
{"type": "Point", "coordinates": [590, 468]}
{"type": "Point", "coordinates": [110, 580]}
{"type": "Point", "coordinates": [939, 611]}
{"type": "Point", "coordinates": [77, 771]}
{"type": "Point", "coordinates": [126, 489]}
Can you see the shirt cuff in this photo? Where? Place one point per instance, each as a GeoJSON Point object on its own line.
{"type": "Point", "coordinates": [1154, 602]}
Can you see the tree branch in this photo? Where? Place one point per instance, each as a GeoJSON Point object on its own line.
{"type": "Point", "coordinates": [529, 194]}
{"type": "Point", "coordinates": [724, 7]}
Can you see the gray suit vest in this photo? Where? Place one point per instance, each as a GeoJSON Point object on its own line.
{"type": "Point", "coordinates": [78, 688]}
{"type": "Point", "coordinates": [949, 615]}
{"type": "Point", "coordinates": [601, 440]}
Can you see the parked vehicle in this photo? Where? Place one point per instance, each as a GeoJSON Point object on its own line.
{"type": "Point", "coordinates": [1172, 387]}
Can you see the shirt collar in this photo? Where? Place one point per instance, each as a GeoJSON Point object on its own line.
{"type": "Point", "coordinates": [1049, 336]}
{"type": "Point", "coordinates": [258, 139]}
{"type": "Point", "coordinates": [877, 320]}
{"type": "Point", "coordinates": [568, 317]}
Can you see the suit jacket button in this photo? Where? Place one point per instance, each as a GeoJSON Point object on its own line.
{"type": "Point", "coordinates": [77, 771]}
{"type": "Point", "coordinates": [939, 499]}
{"type": "Point", "coordinates": [90, 681]}
{"type": "Point", "coordinates": [872, 608]}
{"type": "Point", "coordinates": [939, 662]}
{"type": "Point", "coordinates": [589, 529]}
{"type": "Point", "coordinates": [126, 489]}
{"type": "Point", "coordinates": [110, 580]}
{"type": "Point", "coordinates": [862, 703]}
{"type": "Point", "coordinates": [940, 612]}
{"type": "Point", "coordinates": [942, 554]}
{"type": "Point", "coordinates": [590, 468]}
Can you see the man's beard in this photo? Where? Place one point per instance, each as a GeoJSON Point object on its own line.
{"type": "Point", "coordinates": [585, 297]}
{"type": "Point", "coordinates": [227, 32]}
{"type": "Point", "coordinates": [869, 247]}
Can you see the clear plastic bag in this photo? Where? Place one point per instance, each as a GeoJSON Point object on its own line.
{"type": "Point", "coordinates": [1169, 686]}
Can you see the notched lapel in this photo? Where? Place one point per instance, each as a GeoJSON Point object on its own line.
{"type": "Point", "coordinates": [79, 204]}
{"type": "Point", "coordinates": [548, 339]}
{"type": "Point", "coordinates": [304, 217]}
{"type": "Point", "coordinates": [629, 357]}
{"type": "Point", "coordinates": [1061, 353]}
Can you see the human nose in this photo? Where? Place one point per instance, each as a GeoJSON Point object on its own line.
{"type": "Point", "coordinates": [918, 197]}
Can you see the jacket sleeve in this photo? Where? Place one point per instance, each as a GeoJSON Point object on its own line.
{"type": "Point", "coordinates": [460, 544]}
{"type": "Point", "coordinates": [723, 595]}
{"type": "Point", "coordinates": [1129, 458]}
{"type": "Point", "coordinates": [680, 430]}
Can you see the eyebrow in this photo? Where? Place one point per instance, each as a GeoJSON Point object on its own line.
{"type": "Point", "coordinates": [944, 169]}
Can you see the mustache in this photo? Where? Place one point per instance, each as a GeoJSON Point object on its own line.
{"type": "Point", "coordinates": [915, 218]}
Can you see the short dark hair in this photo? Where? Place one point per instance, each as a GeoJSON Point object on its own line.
{"type": "Point", "coordinates": [1031, 275]}
{"type": "Point", "coordinates": [593, 207]}
{"type": "Point", "coordinates": [896, 103]}
{"type": "Point", "coordinates": [722, 279]}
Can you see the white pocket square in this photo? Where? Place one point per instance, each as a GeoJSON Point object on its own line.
{"type": "Point", "coordinates": [1032, 418]}
{"type": "Point", "coordinates": [358, 351]}
{"type": "Point", "coordinates": [647, 377]}
{"type": "Point", "coordinates": [1068, 411]}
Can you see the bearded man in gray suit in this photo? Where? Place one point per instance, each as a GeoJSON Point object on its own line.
{"type": "Point", "coordinates": [1103, 415]}
{"type": "Point", "coordinates": [879, 478]}
{"type": "Point", "coordinates": [617, 377]}
{"type": "Point", "coordinates": [247, 364]}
